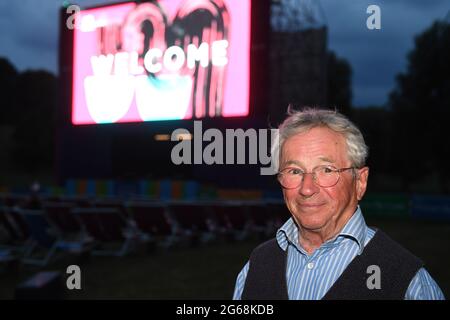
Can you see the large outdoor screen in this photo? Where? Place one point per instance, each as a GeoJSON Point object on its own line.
{"type": "Point", "coordinates": [161, 60]}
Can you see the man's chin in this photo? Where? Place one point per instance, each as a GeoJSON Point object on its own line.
{"type": "Point", "coordinates": [311, 224]}
{"type": "Point", "coordinates": [314, 226]}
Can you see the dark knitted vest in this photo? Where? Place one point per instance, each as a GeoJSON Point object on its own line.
{"type": "Point", "coordinates": [266, 278]}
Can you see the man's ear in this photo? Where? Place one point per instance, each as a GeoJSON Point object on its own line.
{"type": "Point", "coordinates": [361, 182]}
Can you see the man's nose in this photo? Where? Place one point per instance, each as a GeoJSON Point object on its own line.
{"type": "Point", "coordinates": [308, 187]}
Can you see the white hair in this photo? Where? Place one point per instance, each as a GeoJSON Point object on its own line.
{"type": "Point", "coordinates": [299, 121]}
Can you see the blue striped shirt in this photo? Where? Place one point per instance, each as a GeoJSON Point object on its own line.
{"type": "Point", "coordinates": [309, 277]}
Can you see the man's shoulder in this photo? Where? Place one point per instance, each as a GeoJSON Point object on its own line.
{"type": "Point", "coordinates": [397, 263]}
{"type": "Point", "coordinates": [382, 258]}
{"type": "Point", "coordinates": [424, 287]}
{"type": "Point", "coordinates": [266, 247]}
{"type": "Point", "coordinates": [381, 244]}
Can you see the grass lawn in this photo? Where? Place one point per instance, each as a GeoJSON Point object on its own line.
{"type": "Point", "coordinates": [209, 271]}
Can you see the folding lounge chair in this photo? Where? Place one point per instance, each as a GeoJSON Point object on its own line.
{"type": "Point", "coordinates": [15, 241]}
{"type": "Point", "coordinates": [44, 239]}
{"type": "Point", "coordinates": [153, 220]}
{"type": "Point", "coordinates": [18, 236]}
{"type": "Point", "coordinates": [112, 203]}
{"type": "Point", "coordinates": [66, 224]}
{"type": "Point", "coordinates": [59, 213]}
{"type": "Point", "coordinates": [194, 220]}
{"type": "Point", "coordinates": [231, 219]}
{"type": "Point", "coordinates": [109, 228]}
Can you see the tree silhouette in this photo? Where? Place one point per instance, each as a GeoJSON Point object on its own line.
{"type": "Point", "coordinates": [421, 109]}
{"type": "Point", "coordinates": [35, 103]}
{"type": "Point", "coordinates": [8, 77]}
{"type": "Point", "coordinates": [375, 123]}
{"type": "Point", "coordinates": [339, 89]}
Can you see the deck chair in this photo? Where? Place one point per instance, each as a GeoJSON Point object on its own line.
{"type": "Point", "coordinates": [14, 233]}
{"type": "Point", "coordinates": [17, 231]}
{"type": "Point", "coordinates": [15, 242]}
{"type": "Point", "coordinates": [194, 220]}
{"type": "Point", "coordinates": [232, 220]}
{"type": "Point", "coordinates": [59, 213]}
{"type": "Point", "coordinates": [45, 240]}
{"type": "Point", "coordinates": [78, 201]}
{"type": "Point", "coordinates": [68, 227]}
{"type": "Point", "coordinates": [153, 220]}
{"type": "Point", "coordinates": [18, 221]}
{"type": "Point", "coordinates": [108, 228]}
{"type": "Point", "coordinates": [112, 203]}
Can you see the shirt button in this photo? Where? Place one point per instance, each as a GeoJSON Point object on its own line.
{"type": "Point", "coordinates": [310, 265]}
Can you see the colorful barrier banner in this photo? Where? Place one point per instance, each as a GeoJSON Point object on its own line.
{"type": "Point", "coordinates": [430, 207]}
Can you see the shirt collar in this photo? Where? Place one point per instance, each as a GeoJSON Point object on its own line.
{"type": "Point", "coordinates": [355, 229]}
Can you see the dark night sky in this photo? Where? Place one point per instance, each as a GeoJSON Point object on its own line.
{"type": "Point", "coordinates": [29, 37]}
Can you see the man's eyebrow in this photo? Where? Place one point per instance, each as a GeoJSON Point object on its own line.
{"type": "Point", "coordinates": [298, 163]}
{"type": "Point", "coordinates": [293, 162]}
{"type": "Point", "coordinates": [326, 159]}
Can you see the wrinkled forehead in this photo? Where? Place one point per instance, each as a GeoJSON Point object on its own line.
{"type": "Point", "coordinates": [319, 144]}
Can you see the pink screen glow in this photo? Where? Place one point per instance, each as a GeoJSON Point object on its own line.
{"type": "Point", "coordinates": [176, 59]}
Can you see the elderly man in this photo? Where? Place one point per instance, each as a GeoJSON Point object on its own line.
{"type": "Point", "coordinates": [326, 250]}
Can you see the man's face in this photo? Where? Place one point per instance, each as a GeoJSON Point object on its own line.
{"type": "Point", "coordinates": [314, 207]}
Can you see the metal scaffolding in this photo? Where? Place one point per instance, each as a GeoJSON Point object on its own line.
{"type": "Point", "coordinates": [298, 55]}
{"type": "Point", "coordinates": [296, 15]}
